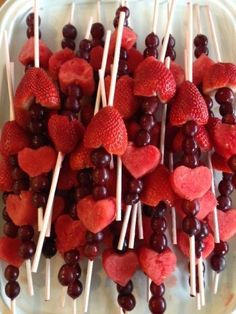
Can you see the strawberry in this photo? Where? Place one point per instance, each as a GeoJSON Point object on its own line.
{"type": "Point", "coordinates": [220, 75]}
{"type": "Point", "coordinates": [65, 134]}
{"type": "Point", "coordinates": [129, 38]}
{"type": "Point", "coordinates": [77, 71]}
{"type": "Point", "coordinates": [134, 58]}
{"type": "Point", "coordinates": [152, 78]}
{"type": "Point", "coordinates": [220, 163]}
{"type": "Point", "coordinates": [212, 123]}
{"type": "Point", "coordinates": [200, 66]}
{"type": "Point", "coordinates": [156, 187]}
{"type": "Point", "coordinates": [224, 139]}
{"type": "Point", "coordinates": [80, 158]}
{"type": "Point", "coordinates": [21, 210]}
{"type": "Point", "coordinates": [188, 104]}
{"type": "Point", "coordinates": [96, 55]}
{"type": "Point", "coordinates": [178, 73]}
{"type": "Point", "coordinates": [107, 128]}
{"type": "Point", "coordinates": [124, 101]}
{"type": "Point", "coordinates": [37, 161]}
{"type": "Point", "coordinates": [6, 181]}
{"type": "Point", "coordinates": [57, 59]}
{"type": "Point", "coordinates": [202, 137]}
{"type": "Point", "coordinates": [68, 177]}
{"type": "Point", "coordinates": [26, 55]}
{"type": "Point", "coordinates": [36, 84]}
{"type": "Point", "coordinates": [13, 139]}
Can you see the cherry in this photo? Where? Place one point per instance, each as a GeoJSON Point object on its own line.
{"type": "Point", "coordinates": [126, 302]}
{"type": "Point", "coordinates": [200, 40]}
{"type": "Point", "coordinates": [152, 40]}
{"type": "Point", "coordinates": [25, 233]}
{"type": "Point", "coordinates": [11, 273]}
{"type": "Point", "coordinates": [157, 291]}
{"type": "Point", "coordinates": [97, 31]}
{"type": "Point", "coordinates": [100, 157]}
{"type": "Point", "coordinates": [191, 208]}
{"type": "Point", "coordinates": [75, 289]}
{"type": "Point", "coordinates": [69, 31]}
{"type": "Point", "coordinates": [157, 305]}
{"type": "Point", "coordinates": [72, 257]}
{"type": "Point", "coordinates": [12, 289]}
{"type": "Point", "coordinates": [221, 248]}
{"type": "Point", "coordinates": [66, 275]}
{"type": "Point", "coordinates": [127, 289]}
{"type": "Point", "coordinates": [191, 225]}
{"type": "Point", "coordinates": [218, 263]}
{"type": "Point", "coordinates": [27, 249]}
{"type": "Point", "coordinates": [158, 242]}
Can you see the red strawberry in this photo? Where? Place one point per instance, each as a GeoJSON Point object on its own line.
{"type": "Point", "coordinates": [96, 215]}
{"type": "Point", "coordinates": [220, 75]}
{"type": "Point", "coordinates": [6, 181]}
{"type": "Point", "coordinates": [68, 177]}
{"type": "Point", "coordinates": [220, 163]}
{"type": "Point", "coordinates": [156, 187]}
{"type": "Point", "coordinates": [200, 66]}
{"type": "Point", "coordinates": [183, 243]}
{"type": "Point", "coordinates": [70, 233]}
{"type": "Point", "coordinates": [77, 71]}
{"type": "Point", "coordinates": [57, 59]}
{"type": "Point", "coordinates": [157, 266]}
{"type": "Point", "coordinates": [212, 123]}
{"type": "Point", "coordinates": [9, 251]}
{"type": "Point", "coordinates": [26, 55]}
{"type": "Point", "coordinates": [96, 55]}
{"type": "Point", "coordinates": [191, 183]}
{"type": "Point", "coordinates": [13, 139]}
{"type": "Point", "coordinates": [37, 161]}
{"type": "Point", "coordinates": [202, 138]}
{"type": "Point", "coordinates": [21, 210]}
{"type": "Point", "coordinates": [124, 101]}
{"type": "Point", "coordinates": [134, 58]}
{"type": "Point", "coordinates": [188, 104]}
{"type": "Point", "coordinates": [36, 84]}
{"type": "Point", "coordinates": [107, 128]}
{"type": "Point", "coordinates": [65, 134]}
{"type": "Point", "coordinates": [207, 204]}
{"type": "Point", "coordinates": [178, 73]}
{"type": "Point", "coordinates": [120, 267]}
{"type": "Point", "coordinates": [80, 158]}
{"type": "Point", "coordinates": [224, 139]}
{"type": "Point", "coordinates": [152, 78]}
{"type": "Point", "coordinates": [129, 38]}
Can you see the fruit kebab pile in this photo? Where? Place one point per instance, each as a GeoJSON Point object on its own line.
{"type": "Point", "coordinates": [83, 175]}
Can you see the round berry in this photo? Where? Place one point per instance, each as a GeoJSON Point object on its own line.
{"type": "Point", "coordinates": [69, 31]}
{"type": "Point", "coordinates": [191, 225]}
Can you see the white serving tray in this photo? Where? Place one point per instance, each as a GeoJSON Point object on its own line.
{"type": "Point", "coordinates": [54, 14]}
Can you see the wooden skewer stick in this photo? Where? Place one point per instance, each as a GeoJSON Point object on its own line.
{"type": "Point", "coordinates": [29, 277]}
{"type": "Point", "coordinates": [124, 227]}
{"type": "Point", "coordinates": [133, 226]}
{"type": "Point", "coordinates": [63, 296]}
{"type": "Point", "coordinates": [99, 11]}
{"type": "Point", "coordinates": [197, 11]}
{"type": "Point", "coordinates": [10, 77]}
{"type": "Point", "coordinates": [155, 17]}
{"type": "Point", "coordinates": [173, 211]}
{"type": "Point", "coordinates": [47, 279]}
{"type": "Point", "coordinates": [140, 222]}
{"type": "Point", "coordinates": [89, 26]}
{"type": "Point", "coordinates": [88, 285]}
{"type": "Point", "coordinates": [72, 13]}
{"type": "Point", "coordinates": [201, 281]}
{"type": "Point", "coordinates": [36, 32]}
{"type": "Point", "coordinates": [13, 306]}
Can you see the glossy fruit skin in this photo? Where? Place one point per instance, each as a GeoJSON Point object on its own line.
{"type": "Point", "coordinates": [11, 273]}
{"type": "Point", "coordinates": [157, 305]}
{"type": "Point", "coordinates": [125, 290]}
{"type": "Point", "coordinates": [191, 225]}
{"type": "Point", "coordinates": [12, 289]}
{"type": "Point", "coordinates": [218, 263]}
{"type": "Point", "coordinates": [66, 275]}
{"type": "Point", "coordinates": [69, 31]}
{"type": "Point", "coordinates": [126, 302]}
{"type": "Point", "coordinates": [75, 289]}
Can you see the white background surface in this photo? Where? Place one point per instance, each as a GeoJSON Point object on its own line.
{"type": "Point", "coordinates": [54, 14]}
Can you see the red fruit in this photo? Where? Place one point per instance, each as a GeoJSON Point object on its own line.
{"type": "Point", "coordinates": [9, 251]}
{"type": "Point", "coordinates": [96, 55]}
{"type": "Point", "coordinates": [152, 78]}
{"type": "Point", "coordinates": [96, 215]}
{"type": "Point", "coordinates": [224, 139]}
{"type": "Point", "coordinates": [77, 71]}
{"type": "Point", "coordinates": [202, 138]}
{"type": "Point", "coordinates": [178, 73]}
{"type": "Point", "coordinates": [134, 58]}
{"type": "Point", "coordinates": [68, 177]}
{"type": "Point", "coordinates": [37, 161]}
{"type": "Point", "coordinates": [188, 104]}
{"type": "Point", "coordinates": [220, 163]}
{"type": "Point", "coordinates": [57, 59]}
{"type": "Point", "coordinates": [13, 139]}
{"type": "Point", "coordinates": [132, 129]}
{"type": "Point", "coordinates": [103, 130]}
{"type": "Point", "coordinates": [147, 229]}
{"type": "Point", "coordinates": [207, 204]}
{"type": "Point", "coordinates": [26, 55]}
{"type": "Point", "coordinates": [156, 187]}
{"type": "Point", "coordinates": [36, 84]}
{"type": "Point", "coordinates": [6, 181]}
{"type": "Point", "coordinates": [191, 183]}
{"type": "Point", "coordinates": [58, 207]}
{"type": "Point", "coordinates": [227, 223]}
{"type": "Point", "coordinates": [22, 117]}
{"type": "Point", "coordinates": [183, 243]}
{"type": "Point", "coordinates": [141, 160]}
{"type": "Point", "coordinates": [212, 123]}
{"type": "Point", "coordinates": [124, 101]}
{"type": "Point", "coordinates": [200, 66]}
{"type": "Point", "coordinates": [129, 38]}
{"type": "Point", "coordinates": [220, 75]}
{"type": "Point", "coordinates": [120, 268]}
{"type": "Point", "coordinates": [157, 266]}
{"type": "Point", "coordinates": [111, 184]}
{"type": "Point", "coordinates": [155, 134]}
{"type": "Point", "coordinates": [21, 210]}
{"type": "Point", "coordinates": [70, 233]}
{"type": "Point", "coordinates": [80, 158]}
{"type": "Point", "coordinates": [65, 134]}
